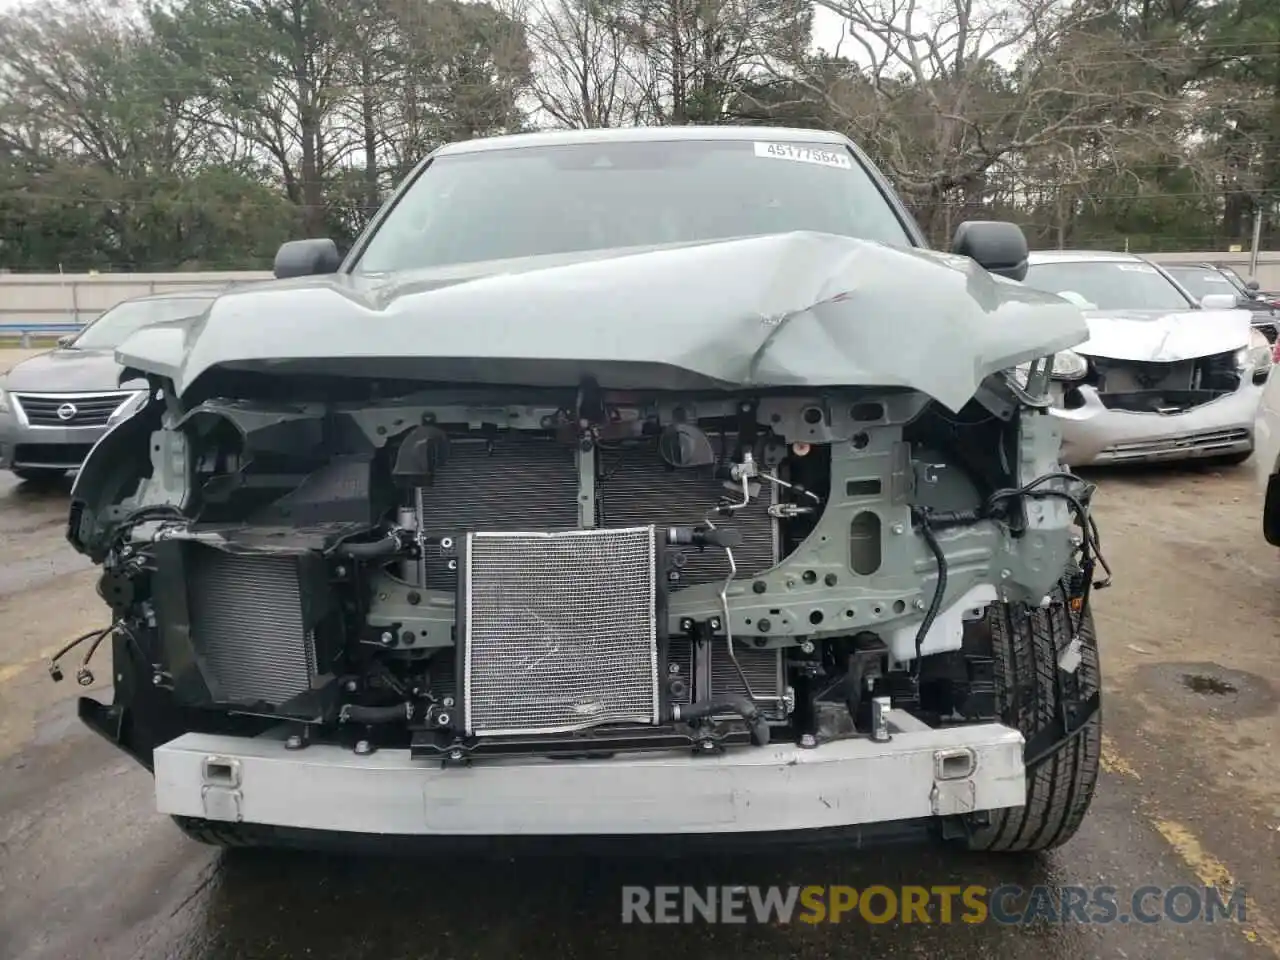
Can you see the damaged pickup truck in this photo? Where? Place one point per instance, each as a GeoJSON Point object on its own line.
{"type": "Point", "coordinates": [608, 487]}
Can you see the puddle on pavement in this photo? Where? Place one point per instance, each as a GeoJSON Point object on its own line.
{"type": "Point", "coordinates": [1211, 688]}
{"type": "Point", "coordinates": [1203, 683]}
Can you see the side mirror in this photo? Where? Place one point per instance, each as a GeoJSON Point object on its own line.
{"type": "Point", "coordinates": [65, 340]}
{"type": "Point", "coordinates": [1219, 301]}
{"type": "Point", "coordinates": [306, 258]}
{"type": "Point", "coordinates": [1253, 285]}
{"type": "Point", "coordinates": [997, 246]}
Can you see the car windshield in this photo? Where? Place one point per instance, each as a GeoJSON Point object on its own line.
{"type": "Point", "coordinates": [114, 327]}
{"type": "Point", "coordinates": [1108, 285]}
{"type": "Point", "coordinates": [1202, 281]}
{"type": "Point", "coordinates": [571, 198]}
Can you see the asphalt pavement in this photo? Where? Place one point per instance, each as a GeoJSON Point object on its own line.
{"type": "Point", "coordinates": [1189, 796]}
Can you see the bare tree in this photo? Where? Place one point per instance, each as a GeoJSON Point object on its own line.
{"type": "Point", "coordinates": [698, 56]}
{"type": "Point", "coordinates": [585, 73]}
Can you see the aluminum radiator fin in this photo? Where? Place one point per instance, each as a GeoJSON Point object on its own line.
{"type": "Point", "coordinates": [763, 670]}
{"type": "Point", "coordinates": [520, 482]}
{"type": "Point", "coordinates": [637, 487]}
{"type": "Point", "coordinates": [247, 624]}
{"type": "Point", "coordinates": [560, 631]}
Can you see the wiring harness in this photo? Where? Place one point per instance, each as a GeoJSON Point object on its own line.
{"type": "Point", "coordinates": [1000, 506]}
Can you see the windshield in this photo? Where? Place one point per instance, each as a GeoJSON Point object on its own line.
{"type": "Point", "coordinates": [1108, 285]}
{"type": "Point", "coordinates": [114, 327]}
{"type": "Point", "coordinates": [1202, 281]}
{"type": "Point", "coordinates": [537, 201]}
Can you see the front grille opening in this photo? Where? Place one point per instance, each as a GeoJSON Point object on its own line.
{"type": "Point", "coordinates": [70, 411]}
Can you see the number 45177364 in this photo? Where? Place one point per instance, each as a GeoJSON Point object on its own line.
{"type": "Point", "coordinates": [827, 157]}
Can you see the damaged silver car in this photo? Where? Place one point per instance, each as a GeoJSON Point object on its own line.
{"type": "Point", "coordinates": [1163, 376]}
{"type": "Point", "coordinates": [608, 488]}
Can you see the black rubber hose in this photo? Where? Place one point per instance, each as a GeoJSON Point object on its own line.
{"type": "Point", "coordinates": [385, 547]}
{"type": "Point", "coordinates": [730, 704]}
{"type": "Point", "coordinates": [355, 713]}
{"type": "Point", "coordinates": [939, 591]}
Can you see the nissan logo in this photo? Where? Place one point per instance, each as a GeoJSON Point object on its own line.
{"type": "Point", "coordinates": [67, 411]}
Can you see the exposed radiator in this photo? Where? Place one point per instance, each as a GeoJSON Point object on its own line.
{"type": "Point", "coordinates": [636, 487]}
{"type": "Point", "coordinates": [716, 675]}
{"type": "Point", "coordinates": [559, 631]}
{"type": "Point", "coordinates": [526, 482]}
{"type": "Point", "coordinates": [247, 624]}
{"type": "Point", "coordinates": [519, 482]}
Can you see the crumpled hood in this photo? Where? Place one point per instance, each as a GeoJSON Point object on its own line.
{"type": "Point", "coordinates": [65, 370]}
{"type": "Point", "coordinates": [786, 310]}
{"type": "Point", "coordinates": [1165, 337]}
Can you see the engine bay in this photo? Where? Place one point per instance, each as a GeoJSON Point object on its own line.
{"type": "Point", "coordinates": [475, 572]}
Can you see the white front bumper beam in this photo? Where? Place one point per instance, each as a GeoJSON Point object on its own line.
{"type": "Point", "coordinates": [919, 773]}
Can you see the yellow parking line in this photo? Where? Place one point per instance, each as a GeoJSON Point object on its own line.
{"type": "Point", "coordinates": [1113, 762]}
{"type": "Point", "coordinates": [1208, 869]}
{"type": "Point", "coordinates": [1212, 872]}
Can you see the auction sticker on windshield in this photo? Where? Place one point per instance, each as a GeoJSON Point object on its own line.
{"type": "Point", "coordinates": [801, 154]}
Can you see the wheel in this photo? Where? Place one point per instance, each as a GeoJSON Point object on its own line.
{"type": "Point", "coordinates": [1025, 644]}
{"type": "Point", "coordinates": [38, 474]}
{"type": "Point", "coordinates": [216, 833]}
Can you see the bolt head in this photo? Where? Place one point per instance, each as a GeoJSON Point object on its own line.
{"type": "Point", "coordinates": [443, 720]}
{"type": "Point", "coordinates": [918, 603]}
{"type": "Point", "coordinates": [448, 701]}
{"type": "Point", "coordinates": [715, 623]}
{"type": "Point", "coordinates": [898, 528]}
{"type": "Point", "coordinates": [807, 646]}
{"type": "Point", "coordinates": [350, 686]}
{"type": "Point", "coordinates": [673, 668]}
{"type": "Point", "coordinates": [387, 637]}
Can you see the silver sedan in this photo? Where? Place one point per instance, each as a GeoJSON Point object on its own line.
{"type": "Point", "coordinates": [1163, 376]}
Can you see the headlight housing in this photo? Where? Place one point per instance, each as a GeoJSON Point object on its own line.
{"type": "Point", "coordinates": [1257, 355]}
{"type": "Point", "coordinates": [1069, 365]}
{"type": "Point", "coordinates": [128, 408]}
{"type": "Point", "coordinates": [4, 401]}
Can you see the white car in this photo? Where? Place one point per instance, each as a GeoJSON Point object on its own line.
{"type": "Point", "coordinates": [1267, 458]}
{"type": "Point", "coordinates": [1162, 376]}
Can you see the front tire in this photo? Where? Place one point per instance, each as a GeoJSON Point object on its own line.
{"type": "Point", "coordinates": [1025, 643]}
{"type": "Point", "coordinates": [217, 833]}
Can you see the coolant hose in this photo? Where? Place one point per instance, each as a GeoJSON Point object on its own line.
{"type": "Point", "coordinates": [385, 547]}
{"type": "Point", "coordinates": [355, 713]}
{"type": "Point", "coordinates": [743, 707]}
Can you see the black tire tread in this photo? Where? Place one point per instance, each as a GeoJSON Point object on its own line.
{"type": "Point", "coordinates": [216, 833]}
{"type": "Point", "coordinates": [1025, 645]}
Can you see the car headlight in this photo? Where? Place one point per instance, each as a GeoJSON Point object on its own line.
{"type": "Point", "coordinates": [1069, 365]}
{"type": "Point", "coordinates": [1256, 355]}
{"type": "Point", "coordinates": [128, 408]}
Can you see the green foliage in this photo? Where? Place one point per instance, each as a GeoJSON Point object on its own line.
{"type": "Point", "coordinates": [202, 133]}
